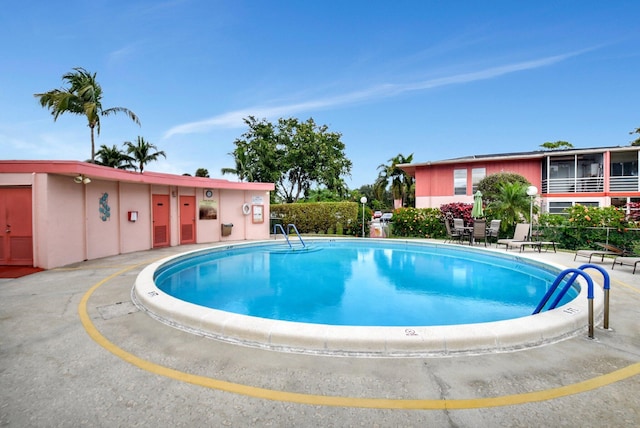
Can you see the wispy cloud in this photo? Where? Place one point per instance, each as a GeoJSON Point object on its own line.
{"type": "Point", "coordinates": [124, 53]}
{"type": "Point", "coordinates": [233, 119]}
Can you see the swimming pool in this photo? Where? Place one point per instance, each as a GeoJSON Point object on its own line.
{"type": "Point", "coordinates": [295, 326]}
{"type": "Point", "coordinates": [360, 283]}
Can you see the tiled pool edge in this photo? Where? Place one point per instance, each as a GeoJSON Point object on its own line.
{"type": "Point", "coordinates": [500, 336]}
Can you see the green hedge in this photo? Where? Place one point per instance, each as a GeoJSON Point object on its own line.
{"type": "Point", "coordinates": [578, 238]}
{"type": "Point", "coordinates": [322, 217]}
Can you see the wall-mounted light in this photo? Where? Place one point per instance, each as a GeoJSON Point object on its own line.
{"type": "Point", "coordinates": [81, 179]}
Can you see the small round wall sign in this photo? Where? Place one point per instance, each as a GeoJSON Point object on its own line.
{"type": "Point", "coordinates": [208, 193]}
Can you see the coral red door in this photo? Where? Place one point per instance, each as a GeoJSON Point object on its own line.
{"type": "Point", "coordinates": [16, 237]}
{"type": "Point", "coordinates": [160, 221]}
{"type": "Point", "coordinates": [187, 220]}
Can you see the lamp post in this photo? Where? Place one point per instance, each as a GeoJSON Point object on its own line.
{"type": "Point", "coordinates": [363, 200]}
{"type": "Point", "coordinates": [532, 191]}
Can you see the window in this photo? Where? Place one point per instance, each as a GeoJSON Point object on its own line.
{"type": "Point", "coordinates": [589, 165]}
{"type": "Point", "coordinates": [459, 181]}
{"type": "Point", "coordinates": [562, 167]}
{"type": "Point", "coordinates": [624, 164]}
{"type": "Point", "coordinates": [559, 207]}
{"type": "Point", "coordinates": [630, 206]}
{"type": "Point", "coordinates": [477, 174]}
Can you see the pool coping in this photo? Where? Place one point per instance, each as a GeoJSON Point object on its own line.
{"type": "Point", "coordinates": [498, 336]}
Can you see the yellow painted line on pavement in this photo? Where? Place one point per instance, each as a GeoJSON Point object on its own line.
{"type": "Point", "coordinates": [323, 400]}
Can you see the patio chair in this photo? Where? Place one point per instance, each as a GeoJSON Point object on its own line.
{"type": "Point", "coordinates": [452, 235]}
{"type": "Point", "coordinates": [458, 227]}
{"type": "Point", "coordinates": [626, 261]}
{"type": "Point", "coordinates": [494, 230]}
{"type": "Point", "coordinates": [479, 232]}
{"type": "Point", "coordinates": [521, 234]}
{"type": "Point", "coordinates": [607, 250]}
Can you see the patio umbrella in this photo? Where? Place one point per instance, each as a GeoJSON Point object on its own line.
{"type": "Point", "coordinates": [476, 211]}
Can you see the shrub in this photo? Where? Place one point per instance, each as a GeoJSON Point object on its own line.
{"type": "Point", "coordinates": [457, 210]}
{"type": "Point", "coordinates": [319, 217]}
{"type": "Point", "coordinates": [634, 215]}
{"type": "Point", "coordinates": [418, 223]}
{"type": "Point", "coordinates": [584, 227]}
{"type": "Point", "coordinates": [490, 185]}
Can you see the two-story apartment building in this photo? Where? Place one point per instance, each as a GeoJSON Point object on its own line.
{"type": "Point", "coordinates": [602, 176]}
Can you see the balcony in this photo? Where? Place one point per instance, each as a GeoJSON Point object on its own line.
{"type": "Point", "coordinates": [590, 184]}
{"type": "Point", "coordinates": [624, 184]}
{"type": "Point", "coordinates": [573, 185]}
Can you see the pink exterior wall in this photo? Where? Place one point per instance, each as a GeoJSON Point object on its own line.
{"type": "Point", "coordinates": [134, 236]}
{"type": "Point", "coordinates": [531, 169]}
{"type": "Point", "coordinates": [59, 221]}
{"type": "Point", "coordinates": [437, 180]}
{"type": "Point", "coordinates": [68, 225]}
{"type": "Point", "coordinates": [434, 180]}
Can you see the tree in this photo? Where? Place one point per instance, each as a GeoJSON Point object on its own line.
{"type": "Point", "coordinates": [322, 195]}
{"type": "Point", "coordinates": [202, 172]}
{"type": "Point", "coordinates": [142, 152]}
{"type": "Point", "coordinates": [558, 145]}
{"type": "Point", "coordinates": [240, 158]}
{"type": "Point", "coordinates": [83, 97]}
{"type": "Point", "coordinates": [635, 142]}
{"type": "Point", "coordinates": [490, 185]}
{"type": "Point", "coordinates": [293, 155]}
{"type": "Point", "coordinates": [402, 184]}
{"type": "Point", "coordinates": [511, 204]}
{"type": "Point", "coordinates": [114, 158]}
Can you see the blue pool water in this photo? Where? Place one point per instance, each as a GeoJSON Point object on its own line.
{"type": "Point", "coordinates": [363, 283]}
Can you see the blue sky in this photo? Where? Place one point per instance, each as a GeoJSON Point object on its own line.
{"type": "Point", "coordinates": [439, 79]}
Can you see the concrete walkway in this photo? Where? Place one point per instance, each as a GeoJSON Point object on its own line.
{"type": "Point", "coordinates": [74, 351]}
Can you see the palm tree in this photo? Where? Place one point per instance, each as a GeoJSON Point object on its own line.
{"type": "Point", "coordinates": [142, 152]}
{"type": "Point", "coordinates": [512, 203]}
{"type": "Point", "coordinates": [114, 158]}
{"type": "Point", "coordinates": [401, 182]}
{"type": "Point", "coordinates": [202, 172]}
{"type": "Point", "coordinates": [240, 158]}
{"type": "Point", "coordinates": [84, 97]}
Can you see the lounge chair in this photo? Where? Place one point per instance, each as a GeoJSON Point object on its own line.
{"type": "Point", "coordinates": [536, 242]}
{"type": "Point", "coordinates": [607, 250]}
{"type": "Point", "coordinates": [626, 261]}
{"type": "Point", "coordinates": [521, 234]}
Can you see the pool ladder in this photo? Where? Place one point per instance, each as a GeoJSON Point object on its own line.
{"type": "Point", "coordinates": [286, 234]}
{"type": "Point", "coordinates": [579, 272]}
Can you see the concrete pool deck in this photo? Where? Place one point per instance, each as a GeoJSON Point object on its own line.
{"type": "Point", "coordinates": [74, 351]}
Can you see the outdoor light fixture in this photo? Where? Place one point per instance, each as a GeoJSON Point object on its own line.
{"type": "Point", "coordinates": [532, 191]}
{"type": "Point", "coordinates": [81, 179]}
{"type": "Point", "coordinates": [363, 200]}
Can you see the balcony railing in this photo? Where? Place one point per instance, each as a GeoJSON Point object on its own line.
{"type": "Point", "coordinates": [624, 184]}
{"type": "Point", "coordinates": [573, 185]}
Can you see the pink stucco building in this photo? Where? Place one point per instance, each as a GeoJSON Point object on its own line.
{"type": "Point", "coordinates": [603, 176]}
{"type": "Point", "coordinates": [54, 213]}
